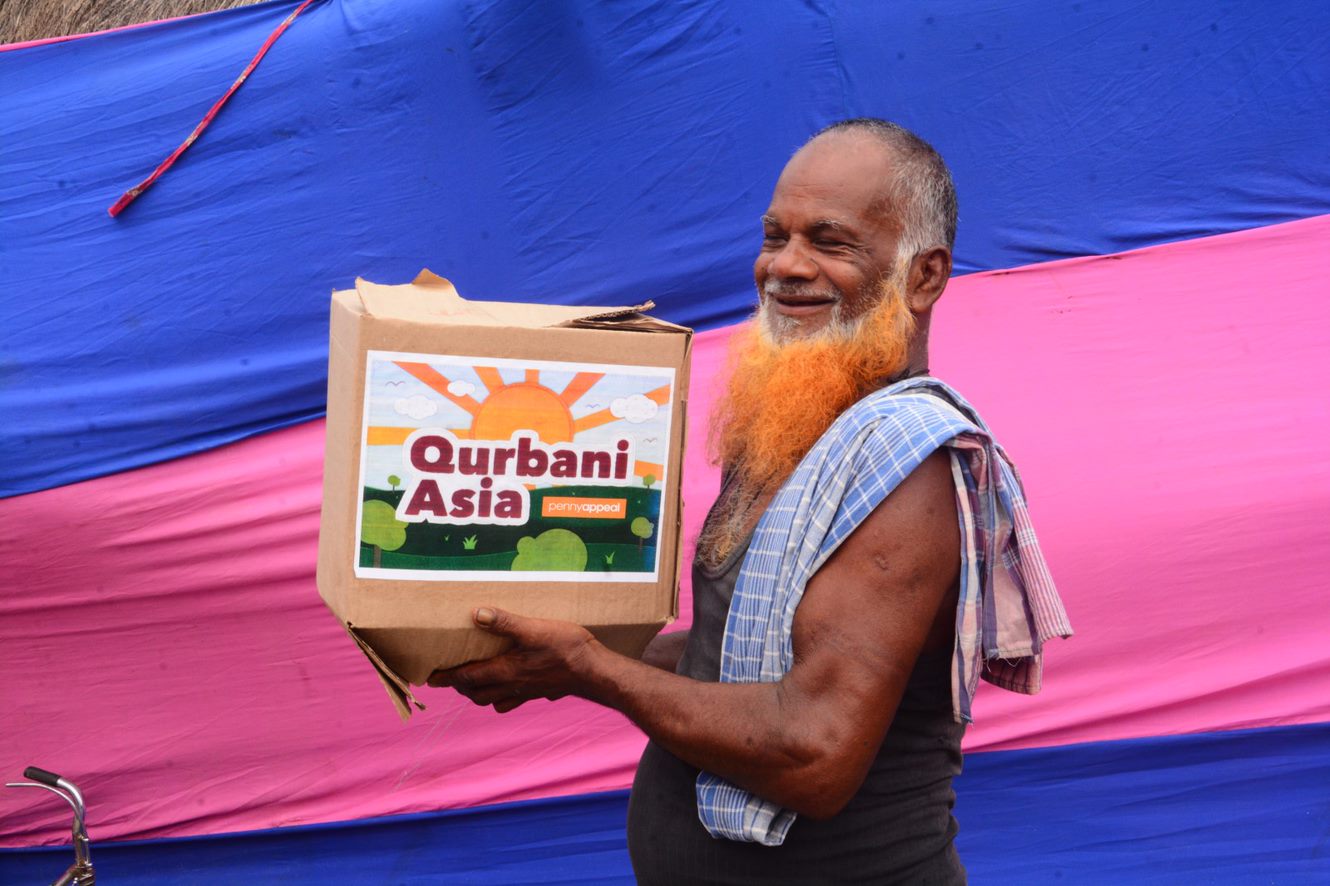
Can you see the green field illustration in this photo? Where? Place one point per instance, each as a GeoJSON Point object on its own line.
{"type": "Point", "coordinates": [555, 544]}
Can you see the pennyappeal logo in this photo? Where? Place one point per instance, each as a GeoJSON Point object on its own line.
{"type": "Point", "coordinates": [485, 481]}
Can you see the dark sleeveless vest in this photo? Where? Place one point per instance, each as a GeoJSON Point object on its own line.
{"type": "Point", "coordinates": [897, 829]}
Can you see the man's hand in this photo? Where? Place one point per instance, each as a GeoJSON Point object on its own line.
{"type": "Point", "coordinates": [547, 660]}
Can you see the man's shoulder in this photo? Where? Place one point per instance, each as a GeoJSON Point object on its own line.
{"type": "Point", "coordinates": [882, 439]}
{"type": "Point", "coordinates": [912, 412]}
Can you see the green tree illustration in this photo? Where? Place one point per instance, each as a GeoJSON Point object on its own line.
{"type": "Point", "coordinates": [648, 480]}
{"type": "Point", "coordinates": [642, 528]}
{"type": "Point", "coordinates": [554, 550]}
{"type": "Point", "coordinates": [380, 528]}
{"type": "Point", "coordinates": [394, 481]}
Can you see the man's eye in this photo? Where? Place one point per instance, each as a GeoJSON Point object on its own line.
{"type": "Point", "coordinates": [830, 244]}
{"type": "Point", "coordinates": [772, 239]}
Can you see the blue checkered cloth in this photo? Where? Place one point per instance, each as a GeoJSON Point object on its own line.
{"type": "Point", "coordinates": [1008, 605]}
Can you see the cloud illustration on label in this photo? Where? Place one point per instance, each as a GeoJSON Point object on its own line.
{"type": "Point", "coordinates": [416, 406]}
{"type": "Point", "coordinates": [461, 388]}
{"type": "Point", "coordinates": [635, 409]}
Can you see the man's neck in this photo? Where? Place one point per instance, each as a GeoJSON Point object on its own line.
{"type": "Point", "coordinates": [917, 355]}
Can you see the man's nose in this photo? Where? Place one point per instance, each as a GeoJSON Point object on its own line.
{"type": "Point", "coordinates": [793, 261]}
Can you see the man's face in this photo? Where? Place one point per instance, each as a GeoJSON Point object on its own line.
{"type": "Point", "coordinates": [829, 237]}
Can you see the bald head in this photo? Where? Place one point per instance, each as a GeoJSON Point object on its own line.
{"type": "Point", "coordinates": [915, 181]}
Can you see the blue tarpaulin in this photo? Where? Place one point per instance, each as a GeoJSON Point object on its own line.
{"type": "Point", "coordinates": [568, 152]}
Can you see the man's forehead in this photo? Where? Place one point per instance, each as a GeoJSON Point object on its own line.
{"type": "Point", "coordinates": [837, 176]}
{"type": "Point", "coordinates": [847, 148]}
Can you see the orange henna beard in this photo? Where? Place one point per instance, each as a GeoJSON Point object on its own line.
{"type": "Point", "coordinates": [783, 395]}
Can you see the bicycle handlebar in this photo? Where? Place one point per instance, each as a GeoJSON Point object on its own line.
{"type": "Point", "coordinates": [80, 873]}
{"type": "Point", "coordinates": [50, 779]}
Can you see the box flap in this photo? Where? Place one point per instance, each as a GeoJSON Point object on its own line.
{"type": "Point", "coordinates": [629, 320]}
{"type": "Point", "coordinates": [432, 299]}
{"type": "Point", "coordinates": [398, 689]}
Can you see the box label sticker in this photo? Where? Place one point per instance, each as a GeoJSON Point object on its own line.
{"type": "Point", "coordinates": [511, 470]}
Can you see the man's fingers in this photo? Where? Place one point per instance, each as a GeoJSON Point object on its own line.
{"type": "Point", "coordinates": [498, 621]}
{"type": "Point", "coordinates": [493, 620]}
{"type": "Point", "coordinates": [496, 694]}
{"type": "Point", "coordinates": [459, 677]}
{"type": "Point", "coordinates": [495, 671]}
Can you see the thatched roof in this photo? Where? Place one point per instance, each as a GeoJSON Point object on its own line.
{"type": "Point", "coordinates": [34, 19]}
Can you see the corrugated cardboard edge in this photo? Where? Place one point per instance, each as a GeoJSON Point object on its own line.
{"type": "Point", "coordinates": [629, 319]}
{"type": "Point", "coordinates": [611, 314]}
{"type": "Point", "coordinates": [431, 299]}
{"type": "Point", "coordinates": [685, 392]}
{"type": "Point", "coordinates": [398, 689]}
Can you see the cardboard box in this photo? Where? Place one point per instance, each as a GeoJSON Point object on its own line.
{"type": "Point", "coordinates": [524, 456]}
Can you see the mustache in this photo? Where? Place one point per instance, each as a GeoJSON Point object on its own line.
{"type": "Point", "coordinates": [777, 288]}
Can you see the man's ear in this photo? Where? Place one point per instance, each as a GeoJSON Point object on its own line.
{"type": "Point", "coordinates": [929, 273]}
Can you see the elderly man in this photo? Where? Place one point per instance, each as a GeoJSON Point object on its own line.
{"type": "Point", "coordinates": [868, 558]}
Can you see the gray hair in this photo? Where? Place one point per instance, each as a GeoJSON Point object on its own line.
{"type": "Point", "coordinates": [923, 192]}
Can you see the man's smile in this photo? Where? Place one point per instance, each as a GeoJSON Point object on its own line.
{"type": "Point", "coordinates": [798, 308]}
{"type": "Point", "coordinates": [795, 301]}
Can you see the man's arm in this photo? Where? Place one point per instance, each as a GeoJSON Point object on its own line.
{"type": "Point", "coordinates": [807, 741]}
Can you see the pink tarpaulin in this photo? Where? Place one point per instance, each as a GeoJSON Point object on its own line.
{"type": "Point", "coordinates": [1168, 411]}
{"type": "Point", "coordinates": [175, 657]}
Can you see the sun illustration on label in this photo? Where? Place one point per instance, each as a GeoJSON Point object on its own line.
{"type": "Point", "coordinates": [526, 405]}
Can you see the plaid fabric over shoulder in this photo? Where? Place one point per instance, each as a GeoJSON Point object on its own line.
{"type": "Point", "coordinates": [1008, 605]}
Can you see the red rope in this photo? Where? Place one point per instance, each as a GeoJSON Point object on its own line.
{"type": "Point", "coordinates": [133, 193]}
